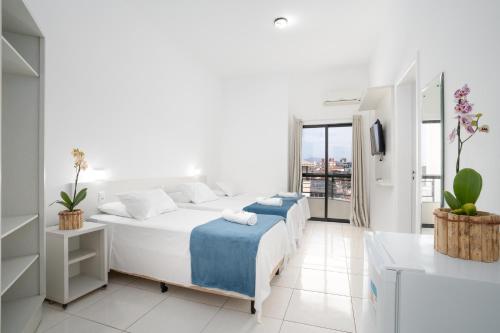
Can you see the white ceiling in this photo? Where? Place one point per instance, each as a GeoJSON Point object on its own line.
{"type": "Point", "coordinates": [236, 37]}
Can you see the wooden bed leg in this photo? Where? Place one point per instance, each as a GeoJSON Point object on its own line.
{"type": "Point", "coordinates": [252, 307]}
{"type": "Point", "coordinates": [163, 287]}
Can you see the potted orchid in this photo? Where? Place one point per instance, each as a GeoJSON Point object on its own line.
{"type": "Point", "coordinates": [72, 218]}
{"type": "Point", "coordinates": [462, 231]}
{"type": "Point", "coordinates": [468, 182]}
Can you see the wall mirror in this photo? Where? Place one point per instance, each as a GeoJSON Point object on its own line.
{"type": "Point", "coordinates": [432, 150]}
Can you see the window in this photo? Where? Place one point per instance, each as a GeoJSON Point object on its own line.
{"type": "Point", "coordinates": [327, 164]}
{"type": "Point", "coordinates": [431, 186]}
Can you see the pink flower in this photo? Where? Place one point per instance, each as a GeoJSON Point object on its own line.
{"type": "Point", "coordinates": [452, 135]}
{"type": "Point", "coordinates": [467, 107]}
{"type": "Point", "coordinates": [470, 129]}
{"type": "Point", "coordinates": [465, 90]}
{"type": "Point", "coordinates": [465, 120]}
{"type": "Point", "coordinates": [463, 106]}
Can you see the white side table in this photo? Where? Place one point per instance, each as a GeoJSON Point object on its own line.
{"type": "Point", "coordinates": [76, 262]}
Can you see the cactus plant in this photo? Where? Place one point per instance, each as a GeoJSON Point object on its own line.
{"type": "Point", "coordinates": [467, 187]}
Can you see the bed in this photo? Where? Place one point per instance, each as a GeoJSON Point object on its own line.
{"type": "Point", "coordinates": [159, 249]}
{"type": "Point", "coordinates": [296, 217]}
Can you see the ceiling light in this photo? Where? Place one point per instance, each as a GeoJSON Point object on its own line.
{"type": "Point", "coordinates": [280, 22]}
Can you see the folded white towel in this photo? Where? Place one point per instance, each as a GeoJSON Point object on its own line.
{"type": "Point", "coordinates": [270, 201]}
{"type": "Point", "coordinates": [240, 217]}
{"type": "Point", "coordinates": [288, 194]}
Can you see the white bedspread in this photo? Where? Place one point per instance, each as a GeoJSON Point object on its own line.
{"type": "Point", "coordinates": [159, 247]}
{"type": "Point", "coordinates": [297, 216]}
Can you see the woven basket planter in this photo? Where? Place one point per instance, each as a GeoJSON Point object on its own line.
{"type": "Point", "coordinates": [70, 220]}
{"type": "Point", "coordinates": [467, 237]}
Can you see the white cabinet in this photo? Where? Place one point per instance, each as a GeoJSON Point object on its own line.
{"type": "Point", "coordinates": [76, 262]}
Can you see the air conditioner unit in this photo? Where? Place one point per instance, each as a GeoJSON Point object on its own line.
{"type": "Point", "coordinates": [342, 97]}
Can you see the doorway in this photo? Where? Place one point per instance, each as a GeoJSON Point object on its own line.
{"type": "Point", "coordinates": [326, 170]}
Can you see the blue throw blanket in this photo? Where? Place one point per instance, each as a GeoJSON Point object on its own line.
{"type": "Point", "coordinates": [223, 254]}
{"type": "Point", "coordinates": [270, 210]}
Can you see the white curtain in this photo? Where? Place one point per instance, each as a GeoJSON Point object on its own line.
{"type": "Point", "coordinates": [295, 169]}
{"type": "Point", "coordinates": [359, 205]}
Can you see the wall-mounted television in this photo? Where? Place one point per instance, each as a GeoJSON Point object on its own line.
{"type": "Point", "coordinates": [377, 138]}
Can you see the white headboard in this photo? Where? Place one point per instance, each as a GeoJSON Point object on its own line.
{"type": "Point", "coordinates": [110, 188]}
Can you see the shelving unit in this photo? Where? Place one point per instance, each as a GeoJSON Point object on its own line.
{"type": "Point", "coordinates": [21, 308]}
{"type": "Point", "coordinates": [13, 268]}
{"type": "Point", "coordinates": [80, 255]}
{"type": "Point", "coordinates": [13, 62]}
{"type": "Point", "coordinates": [13, 223]}
{"type": "Point", "coordinates": [76, 262]}
{"type": "Point", "coordinates": [22, 163]}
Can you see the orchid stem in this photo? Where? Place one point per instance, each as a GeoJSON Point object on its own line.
{"type": "Point", "coordinates": [76, 184]}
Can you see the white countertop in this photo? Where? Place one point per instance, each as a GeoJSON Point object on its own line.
{"type": "Point", "coordinates": [413, 251]}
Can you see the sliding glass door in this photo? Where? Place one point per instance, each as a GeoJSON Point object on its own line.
{"type": "Point", "coordinates": [326, 170]}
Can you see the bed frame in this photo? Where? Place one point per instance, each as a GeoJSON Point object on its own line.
{"type": "Point", "coordinates": [164, 286]}
{"type": "Point", "coordinates": [109, 188]}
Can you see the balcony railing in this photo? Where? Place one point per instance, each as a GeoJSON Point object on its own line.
{"type": "Point", "coordinates": [339, 185]}
{"type": "Point", "coordinates": [430, 188]}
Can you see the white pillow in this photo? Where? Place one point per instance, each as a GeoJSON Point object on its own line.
{"type": "Point", "coordinates": [179, 197]}
{"type": "Point", "coordinates": [219, 192]}
{"type": "Point", "coordinates": [143, 205]}
{"type": "Point", "coordinates": [198, 192]}
{"type": "Point", "coordinates": [229, 189]}
{"type": "Point", "coordinates": [114, 208]}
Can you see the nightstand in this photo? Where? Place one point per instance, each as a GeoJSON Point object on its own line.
{"type": "Point", "coordinates": [76, 262]}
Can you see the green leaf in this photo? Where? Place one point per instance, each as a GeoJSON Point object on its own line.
{"type": "Point", "coordinates": [467, 185]}
{"type": "Point", "coordinates": [459, 211]}
{"type": "Point", "coordinates": [80, 197]}
{"type": "Point", "coordinates": [451, 200]}
{"type": "Point", "coordinates": [66, 198]}
{"type": "Point", "coordinates": [470, 209]}
{"type": "Point", "coordinates": [65, 204]}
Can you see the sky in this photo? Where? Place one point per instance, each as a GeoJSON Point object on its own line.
{"type": "Point", "coordinates": [339, 139]}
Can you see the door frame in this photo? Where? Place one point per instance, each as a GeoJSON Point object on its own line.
{"type": "Point", "coordinates": [325, 175]}
{"type": "Point", "coordinates": [410, 77]}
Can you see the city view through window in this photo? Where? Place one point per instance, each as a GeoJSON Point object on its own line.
{"type": "Point", "coordinates": [327, 162]}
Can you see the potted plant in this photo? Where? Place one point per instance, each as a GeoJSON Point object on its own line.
{"type": "Point", "coordinates": [462, 231]}
{"type": "Point", "coordinates": [71, 217]}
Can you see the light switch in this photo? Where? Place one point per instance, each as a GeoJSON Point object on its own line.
{"type": "Point", "coordinates": [101, 196]}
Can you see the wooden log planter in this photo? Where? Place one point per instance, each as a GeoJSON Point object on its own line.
{"type": "Point", "coordinates": [467, 237]}
{"type": "Point", "coordinates": [70, 220]}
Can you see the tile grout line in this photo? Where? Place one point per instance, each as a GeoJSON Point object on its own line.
{"type": "Point", "coordinates": [154, 307]}
{"type": "Point", "coordinates": [326, 328]}
{"type": "Point", "coordinates": [287, 306]}
{"type": "Point", "coordinates": [107, 325]}
{"type": "Point", "coordinates": [75, 315]}
{"type": "Point", "coordinates": [352, 304]}
{"type": "Point", "coordinates": [215, 314]}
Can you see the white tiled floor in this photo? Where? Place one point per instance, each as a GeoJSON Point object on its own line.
{"type": "Point", "coordinates": [323, 290]}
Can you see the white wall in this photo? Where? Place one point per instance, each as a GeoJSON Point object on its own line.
{"type": "Point", "coordinates": [120, 90]}
{"type": "Point", "coordinates": [309, 90]}
{"type": "Point", "coordinates": [458, 38]}
{"type": "Point", "coordinates": [252, 132]}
